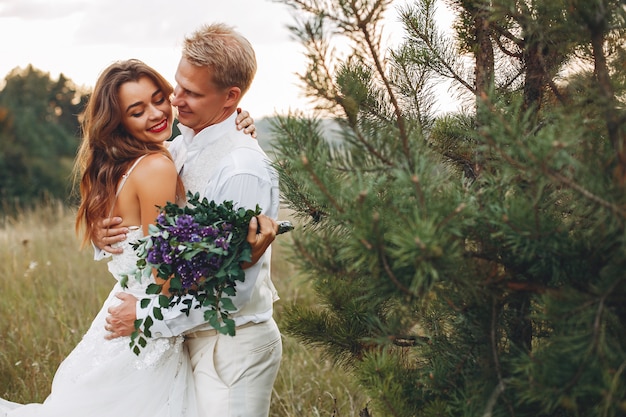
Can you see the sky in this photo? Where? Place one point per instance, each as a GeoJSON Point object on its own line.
{"type": "Point", "coordinates": [79, 38]}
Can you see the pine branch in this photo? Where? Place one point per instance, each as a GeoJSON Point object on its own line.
{"type": "Point", "coordinates": [320, 185]}
{"type": "Point", "coordinates": [595, 341]}
{"type": "Point", "coordinates": [395, 279]}
{"type": "Point", "coordinates": [412, 24]}
{"type": "Point", "coordinates": [601, 72]}
{"type": "Point", "coordinates": [615, 382]}
{"type": "Point", "coordinates": [499, 389]}
{"type": "Point", "coordinates": [363, 25]}
{"type": "Point", "coordinates": [586, 193]}
{"type": "Point", "coordinates": [551, 173]}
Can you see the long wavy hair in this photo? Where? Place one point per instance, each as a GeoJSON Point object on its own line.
{"type": "Point", "coordinates": [107, 150]}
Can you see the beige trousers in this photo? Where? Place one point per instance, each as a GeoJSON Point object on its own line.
{"type": "Point", "coordinates": [234, 375]}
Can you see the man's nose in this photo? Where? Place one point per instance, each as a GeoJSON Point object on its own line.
{"type": "Point", "coordinates": [175, 94]}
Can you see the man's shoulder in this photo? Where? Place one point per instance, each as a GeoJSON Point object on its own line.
{"type": "Point", "coordinates": [241, 142]}
{"type": "Point", "coordinates": [245, 156]}
{"type": "Point", "coordinates": [248, 150]}
{"type": "Point", "coordinates": [173, 144]}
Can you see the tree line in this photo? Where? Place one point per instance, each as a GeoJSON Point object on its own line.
{"type": "Point", "coordinates": [39, 136]}
{"type": "Point", "coordinates": [40, 133]}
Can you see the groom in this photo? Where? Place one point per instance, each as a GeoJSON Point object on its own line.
{"type": "Point", "coordinates": [233, 375]}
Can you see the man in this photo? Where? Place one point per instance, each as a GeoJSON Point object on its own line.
{"type": "Point", "coordinates": [233, 375]}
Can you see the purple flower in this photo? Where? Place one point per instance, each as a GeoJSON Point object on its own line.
{"type": "Point", "coordinates": [160, 250]}
{"type": "Point", "coordinates": [209, 231]}
{"type": "Point", "coordinates": [222, 242]}
{"type": "Point", "coordinates": [185, 273]}
{"type": "Point", "coordinates": [184, 229]}
{"type": "Point", "coordinates": [154, 256]}
{"type": "Point", "coordinates": [185, 221]}
{"type": "Point", "coordinates": [215, 262]}
{"type": "Point", "coordinates": [161, 219]}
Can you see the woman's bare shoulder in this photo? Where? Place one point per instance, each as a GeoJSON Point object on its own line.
{"type": "Point", "coordinates": [156, 163]}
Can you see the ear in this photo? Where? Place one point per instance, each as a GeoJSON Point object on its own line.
{"type": "Point", "coordinates": [233, 96]}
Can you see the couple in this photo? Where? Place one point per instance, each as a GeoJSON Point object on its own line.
{"type": "Point", "coordinates": [187, 369]}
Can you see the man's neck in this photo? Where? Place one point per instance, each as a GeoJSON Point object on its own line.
{"type": "Point", "coordinates": [225, 115]}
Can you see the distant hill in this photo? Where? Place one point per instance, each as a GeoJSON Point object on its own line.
{"type": "Point", "coordinates": [265, 135]}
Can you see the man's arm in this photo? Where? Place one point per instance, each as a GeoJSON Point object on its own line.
{"type": "Point", "coordinates": [121, 318]}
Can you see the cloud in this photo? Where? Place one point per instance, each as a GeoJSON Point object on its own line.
{"type": "Point", "coordinates": [152, 23]}
{"type": "Point", "coordinates": [81, 37]}
{"type": "Point", "coordinates": [39, 9]}
{"type": "Point", "coordinates": [160, 23]}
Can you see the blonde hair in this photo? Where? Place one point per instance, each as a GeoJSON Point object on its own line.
{"type": "Point", "coordinates": [227, 53]}
{"type": "Point", "coordinates": [107, 149]}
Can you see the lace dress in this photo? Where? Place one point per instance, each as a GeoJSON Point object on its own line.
{"type": "Point", "coordinates": [104, 378]}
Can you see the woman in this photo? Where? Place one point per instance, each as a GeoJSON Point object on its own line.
{"type": "Point", "coordinates": [125, 171]}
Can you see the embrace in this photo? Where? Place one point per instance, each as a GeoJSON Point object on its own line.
{"type": "Point", "coordinates": [127, 169]}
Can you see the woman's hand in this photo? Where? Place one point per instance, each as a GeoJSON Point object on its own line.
{"type": "Point", "coordinates": [246, 122]}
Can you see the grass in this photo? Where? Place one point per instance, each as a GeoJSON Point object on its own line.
{"type": "Point", "coordinates": [50, 291]}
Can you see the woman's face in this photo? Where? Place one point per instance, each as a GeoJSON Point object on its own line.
{"type": "Point", "coordinates": [146, 113]}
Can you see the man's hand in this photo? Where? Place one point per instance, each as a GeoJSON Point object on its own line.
{"type": "Point", "coordinates": [261, 233]}
{"type": "Point", "coordinates": [106, 234]}
{"type": "Point", "coordinates": [246, 122]}
{"type": "Point", "coordinates": [121, 319]}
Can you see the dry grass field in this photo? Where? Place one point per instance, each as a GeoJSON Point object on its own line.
{"type": "Point", "coordinates": [50, 290]}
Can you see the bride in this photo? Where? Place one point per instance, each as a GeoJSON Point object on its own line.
{"type": "Point", "coordinates": [125, 171]}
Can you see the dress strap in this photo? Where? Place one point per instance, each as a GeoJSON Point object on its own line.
{"type": "Point", "coordinates": [123, 180]}
{"type": "Point", "coordinates": [127, 174]}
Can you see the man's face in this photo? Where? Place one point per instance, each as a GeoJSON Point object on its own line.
{"type": "Point", "coordinates": [200, 103]}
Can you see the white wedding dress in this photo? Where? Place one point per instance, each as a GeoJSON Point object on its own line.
{"type": "Point", "coordinates": [104, 378]}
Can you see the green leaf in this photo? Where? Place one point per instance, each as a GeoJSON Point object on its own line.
{"type": "Point", "coordinates": [164, 301]}
{"type": "Point", "coordinates": [214, 320]}
{"type": "Point", "coordinates": [229, 291]}
{"type": "Point", "coordinates": [227, 304]}
{"type": "Point", "coordinates": [154, 289]}
{"type": "Point", "coordinates": [210, 316]}
{"type": "Point", "coordinates": [175, 283]}
{"type": "Point", "coordinates": [156, 312]}
{"type": "Point", "coordinates": [229, 327]}
{"type": "Point", "coordinates": [148, 322]}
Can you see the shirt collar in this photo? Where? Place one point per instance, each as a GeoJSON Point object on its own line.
{"type": "Point", "coordinates": [208, 134]}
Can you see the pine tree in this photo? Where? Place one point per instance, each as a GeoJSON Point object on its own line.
{"type": "Point", "coordinates": [471, 264]}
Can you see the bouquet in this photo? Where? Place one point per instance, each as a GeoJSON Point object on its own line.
{"type": "Point", "coordinates": [196, 251]}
